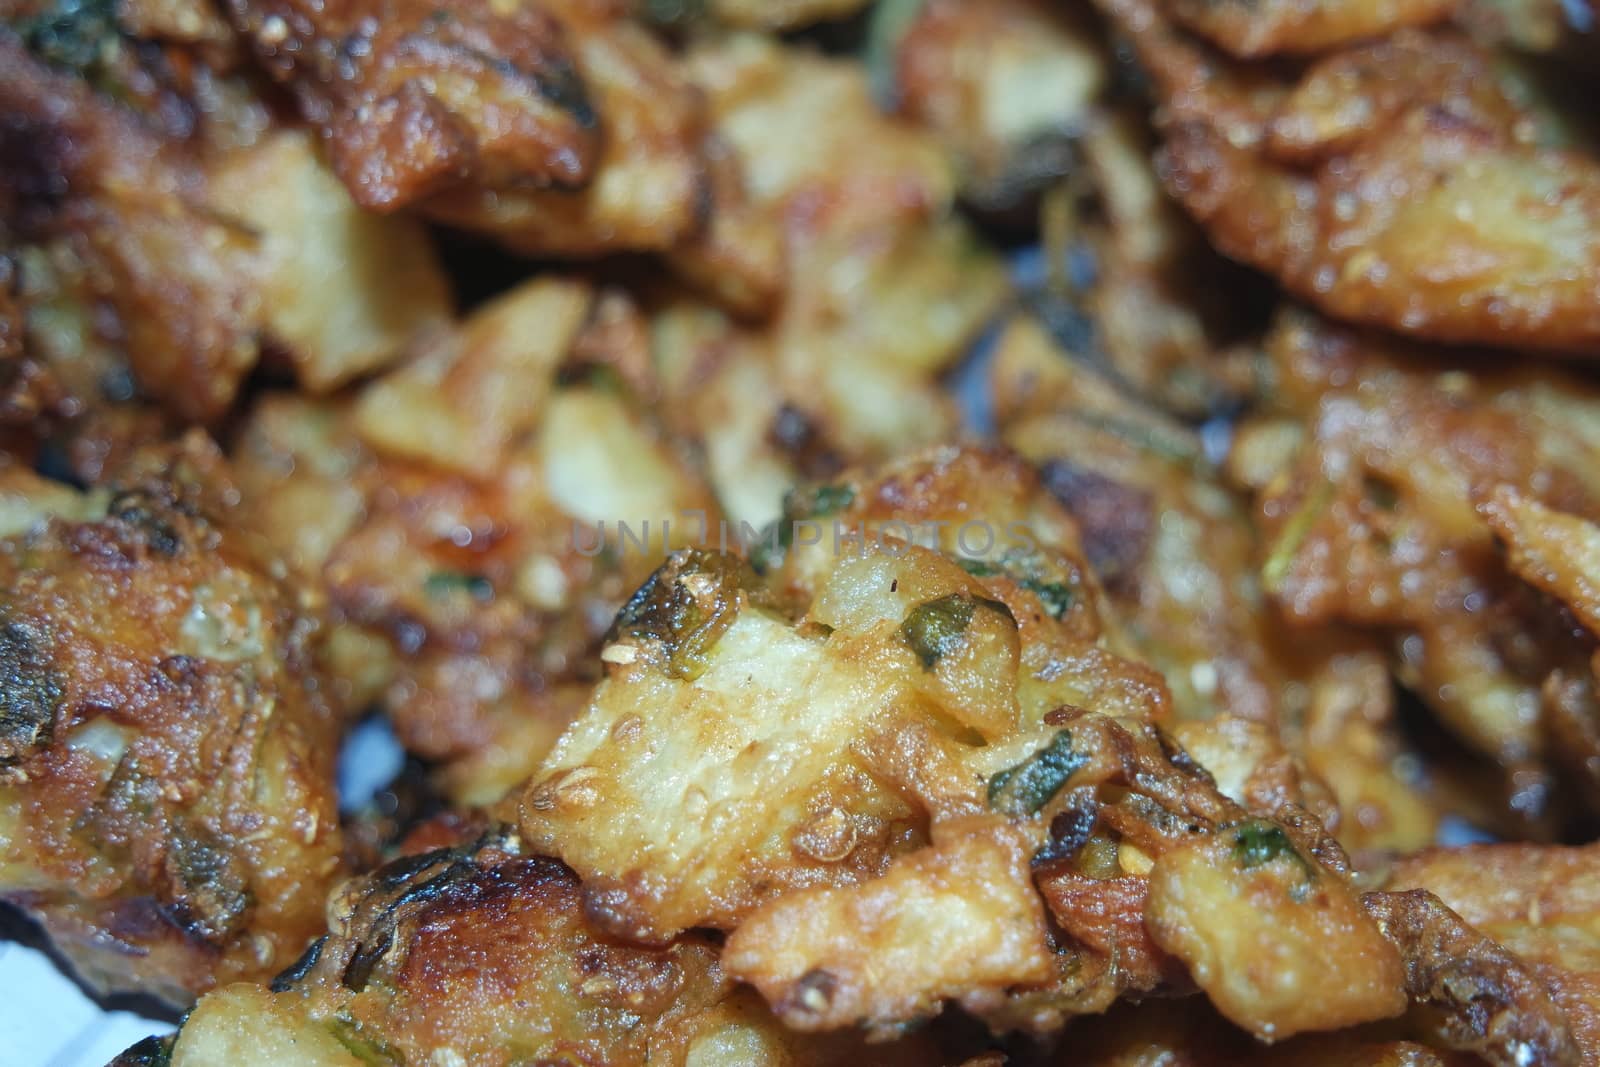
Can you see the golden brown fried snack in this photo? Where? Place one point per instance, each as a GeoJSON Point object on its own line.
{"type": "Point", "coordinates": [481, 954]}
{"type": "Point", "coordinates": [560, 127]}
{"type": "Point", "coordinates": [1541, 903]}
{"type": "Point", "coordinates": [163, 232]}
{"type": "Point", "coordinates": [463, 513]}
{"type": "Point", "coordinates": [1179, 558]}
{"type": "Point", "coordinates": [1289, 26]}
{"type": "Point", "coordinates": [417, 98]}
{"type": "Point", "coordinates": [1559, 553]}
{"type": "Point", "coordinates": [166, 743]}
{"type": "Point", "coordinates": [124, 213]}
{"type": "Point", "coordinates": [887, 288]}
{"type": "Point", "coordinates": [820, 761]}
{"type": "Point", "coordinates": [1400, 184]}
{"type": "Point", "coordinates": [1368, 483]}
{"type": "Point", "coordinates": [1005, 86]}
{"type": "Point", "coordinates": [1188, 1033]}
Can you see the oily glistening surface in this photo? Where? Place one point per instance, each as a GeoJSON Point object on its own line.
{"type": "Point", "coordinates": [582, 389]}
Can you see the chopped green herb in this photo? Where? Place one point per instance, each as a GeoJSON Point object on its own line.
{"type": "Point", "coordinates": [78, 35]}
{"type": "Point", "coordinates": [687, 605]}
{"type": "Point", "coordinates": [799, 505]}
{"type": "Point", "coordinates": [1255, 843]}
{"type": "Point", "coordinates": [938, 627]}
{"type": "Point", "coordinates": [1281, 557]}
{"type": "Point", "coordinates": [370, 1051]}
{"type": "Point", "coordinates": [442, 584]}
{"type": "Point", "coordinates": [1027, 787]}
{"type": "Point", "coordinates": [1057, 597]}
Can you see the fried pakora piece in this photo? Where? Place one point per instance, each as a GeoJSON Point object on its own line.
{"type": "Point", "coordinates": [1179, 559]}
{"type": "Point", "coordinates": [815, 760]}
{"type": "Point", "coordinates": [1369, 479]}
{"type": "Point", "coordinates": [1287, 26]}
{"type": "Point", "coordinates": [886, 290]}
{"type": "Point", "coordinates": [1188, 1033]}
{"type": "Point", "coordinates": [481, 954]}
{"type": "Point", "coordinates": [1542, 903]}
{"type": "Point", "coordinates": [127, 214]}
{"type": "Point", "coordinates": [419, 98]}
{"type": "Point", "coordinates": [160, 240]}
{"type": "Point", "coordinates": [559, 128]}
{"type": "Point", "coordinates": [1559, 553]}
{"type": "Point", "coordinates": [1007, 87]}
{"type": "Point", "coordinates": [167, 804]}
{"type": "Point", "coordinates": [465, 514]}
{"type": "Point", "coordinates": [1401, 183]}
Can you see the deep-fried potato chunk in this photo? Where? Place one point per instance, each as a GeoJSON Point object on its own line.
{"type": "Point", "coordinates": [463, 513]}
{"type": "Point", "coordinates": [166, 747]}
{"type": "Point", "coordinates": [1272, 975]}
{"type": "Point", "coordinates": [1368, 486]}
{"type": "Point", "coordinates": [481, 954]}
{"type": "Point", "coordinates": [958, 919]}
{"type": "Point", "coordinates": [1400, 184]}
{"type": "Point", "coordinates": [343, 290]}
{"type": "Point", "coordinates": [886, 287]}
{"type": "Point", "coordinates": [1293, 26]}
{"type": "Point", "coordinates": [814, 761]}
{"type": "Point", "coordinates": [418, 97]}
{"type": "Point", "coordinates": [130, 211]}
{"type": "Point", "coordinates": [1005, 86]}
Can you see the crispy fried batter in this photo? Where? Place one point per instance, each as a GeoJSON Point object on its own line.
{"type": "Point", "coordinates": [1541, 903]}
{"type": "Point", "coordinates": [166, 792]}
{"type": "Point", "coordinates": [1006, 86]}
{"type": "Point", "coordinates": [1179, 559]}
{"type": "Point", "coordinates": [416, 98]}
{"type": "Point", "coordinates": [1250, 30]}
{"type": "Point", "coordinates": [129, 212]}
{"type": "Point", "coordinates": [463, 514]}
{"type": "Point", "coordinates": [1367, 503]}
{"type": "Point", "coordinates": [800, 763]}
{"type": "Point", "coordinates": [1487, 1000]}
{"type": "Point", "coordinates": [1400, 184]}
{"type": "Point", "coordinates": [480, 953]}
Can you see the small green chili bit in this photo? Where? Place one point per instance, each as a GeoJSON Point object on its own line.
{"type": "Point", "coordinates": [1027, 787]}
{"type": "Point", "coordinates": [938, 627]}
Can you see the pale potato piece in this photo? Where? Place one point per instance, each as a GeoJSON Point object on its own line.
{"type": "Point", "coordinates": [246, 1026]}
{"type": "Point", "coordinates": [463, 400]}
{"type": "Point", "coordinates": [1279, 944]}
{"type": "Point", "coordinates": [685, 801]}
{"type": "Point", "coordinates": [601, 465]}
{"type": "Point", "coordinates": [343, 289]}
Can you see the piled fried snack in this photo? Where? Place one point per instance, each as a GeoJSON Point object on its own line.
{"type": "Point", "coordinates": [916, 531]}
